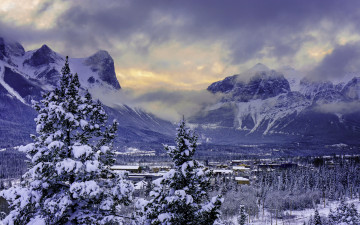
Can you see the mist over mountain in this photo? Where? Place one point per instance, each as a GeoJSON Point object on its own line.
{"type": "Point", "coordinates": [278, 107]}
{"type": "Point", "coordinates": [268, 107]}
{"type": "Point", "coordinates": [25, 75]}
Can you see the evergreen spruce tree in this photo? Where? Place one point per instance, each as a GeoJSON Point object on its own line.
{"type": "Point", "coordinates": [69, 180]}
{"type": "Point", "coordinates": [332, 216]}
{"type": "Point", "coordinates": [242, 217]}
{"type": "Point", "coordinates": [181, 195]}
{"type": "Point", "coordinates": [344, 214]}
{"type": "Point", "coordinates": [317, 218]}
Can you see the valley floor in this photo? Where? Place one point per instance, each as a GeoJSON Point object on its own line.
{"type": "Point", "coordinates": [296, 217]}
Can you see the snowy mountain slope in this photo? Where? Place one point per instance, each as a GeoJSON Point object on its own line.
{"type": "Point", "coordinates": [25, 75]}
{"type": "Point", "coordinates": [310, 88]}
{"type": "Point", "coordinates": [268, 112]}
{"type": "Point", "coordinates": [7, 88]}
{"type": "Point", "coordinates": [45, 65]}
{"type": "Point", "coordinates": [16, 119]}
{"type": "Point", "coordinates": [262, 85]}
{"type": "Point", "coordinates": [270, 107]}
{"type": "Point", "coordinates": [352, 89]}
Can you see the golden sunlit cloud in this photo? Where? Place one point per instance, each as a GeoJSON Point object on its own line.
{"type": "Point", "coordinates": [148, 80]}
{"type": "Point", "coordinates": [41, 14]}
{"type": "Point", "coordinates": [174, 65]}
{"type": "Point", "coordinates": [163, 57]}
{"type": "Point", "coordinates": [348, 36]}
{"type": "Point", "coordinates": [319, 53]}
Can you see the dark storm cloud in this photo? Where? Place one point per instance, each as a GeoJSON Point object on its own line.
{"type": "Point", "coordinates": [100, 22]}
{"type": "Point", "coordinates": [343, 59]}
{"type": "Point", "coordinates": [247, 30]}
{"type": "Point", "coordinates": [23, 33]}
{"type": "Point", "coordinates": [29, 33]}
{"type": "Point", "coordinates": [245, 27]}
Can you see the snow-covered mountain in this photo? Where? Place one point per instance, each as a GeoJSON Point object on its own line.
{"type": "Point", "coordinates": [262, 85]}
{"type": "Point", "coordinates": [25, 75]}
{"type": "Point", "coordinates": [268, 106]}
{"type": "Point", "coordinates": [273, 106]}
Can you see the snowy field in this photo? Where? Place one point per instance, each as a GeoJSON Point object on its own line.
{"type": "Point", "coordinates": [297, 217]}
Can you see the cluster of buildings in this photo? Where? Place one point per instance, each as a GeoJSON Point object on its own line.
{"type": "Point", "coordinates": [242, 171]}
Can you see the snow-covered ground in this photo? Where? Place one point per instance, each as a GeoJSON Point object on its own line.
{"type": "Point", "coordinates": [299, 217]}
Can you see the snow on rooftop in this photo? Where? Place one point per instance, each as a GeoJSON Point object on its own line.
{"type": "Point", "coordinates": [124, 167]}
{"type": "Point", "coordinates": [240, 168]}
{"type": "Point", "coordinates": [241, 179]}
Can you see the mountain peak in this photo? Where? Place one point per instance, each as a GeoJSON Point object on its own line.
{"type": "Point", "coordinates": [99, 56]}
{"type": "Point", "coordinates": [262, 85]}
{"type": "Point", "coordinates": [10, 48]}
{"type": "Point", "coordinates": [352, 89]}
{"type": "Point", "coordinates": [103, 63]}
{"type": "Point", "coordinates": [102, 54]}
{"type": "Point", "coordinates": [259, 67]}
{"type": "Point", "coordinates": [45, 49]}
{"type": "Point", "coordinates": [43, 56]}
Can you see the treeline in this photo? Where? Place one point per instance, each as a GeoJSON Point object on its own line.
{"type": "Point", "coordinates": [281, 191]}
{"type": "Point", "coordinates": [12, 164]}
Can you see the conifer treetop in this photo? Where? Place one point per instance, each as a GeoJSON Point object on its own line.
{"type": "Point", "coordinates": [181, 195]}
{"type": "Point", "coordinates": [185, 145]}
{"type": "Point", "coordinates": [69, 180]}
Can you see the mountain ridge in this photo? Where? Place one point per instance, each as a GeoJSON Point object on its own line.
{"type": "Point", "coordinates": [26, 75]}
{"type": "Point", "coordinates": [269, 107]}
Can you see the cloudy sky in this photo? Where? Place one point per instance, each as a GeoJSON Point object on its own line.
{"type": "Point", "coordinates": [186, 45]}
{"type": "Point", "coordinates": [180, 47]}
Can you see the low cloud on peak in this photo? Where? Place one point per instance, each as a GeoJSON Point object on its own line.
{"type": "Point", "coordinates": [169, 105]}
{"type": "Point", "coordinates": [191, 42]}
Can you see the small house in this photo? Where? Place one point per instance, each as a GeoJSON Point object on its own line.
{"type": "Point", "coordinates": [132, 169]}
{"type": "Point", "coordinates": [157, 169]}
{"type": "Point", "coordinates": [242, 180]}
{"type": "Point", "coordinates": [217, 172]}
{"type": "Point", "coordinates": [240, 169]}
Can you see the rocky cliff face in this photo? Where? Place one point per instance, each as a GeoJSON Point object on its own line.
{"type": "Point", "coordinates": [266, 107]}
{"type": "Point", "coordinates": [352, 89]}
{"type": "Point", "coordinates": [263, 84]}
{"type": "Point", "coordinates": [25, 75]}
{"type": "Point", "coordinates": [10, 49]}
{"type": "Point", "coordinates": [43, 57]}
{"type": "Point", "coordinates": [103, 64]}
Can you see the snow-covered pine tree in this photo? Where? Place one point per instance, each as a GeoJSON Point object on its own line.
{"type": "Point", "coordinates": [242, 217]}
{"type": "Point", "coordinates": [181, 195]}
{"type": "Point", "coordinates": [317, 218]}
{"type": "Point", "coordinates": [69, 180]}
{"type": "Point", "coordinates": [332, 216]}
{"type": "Point", "coordinates": [344, 214]}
